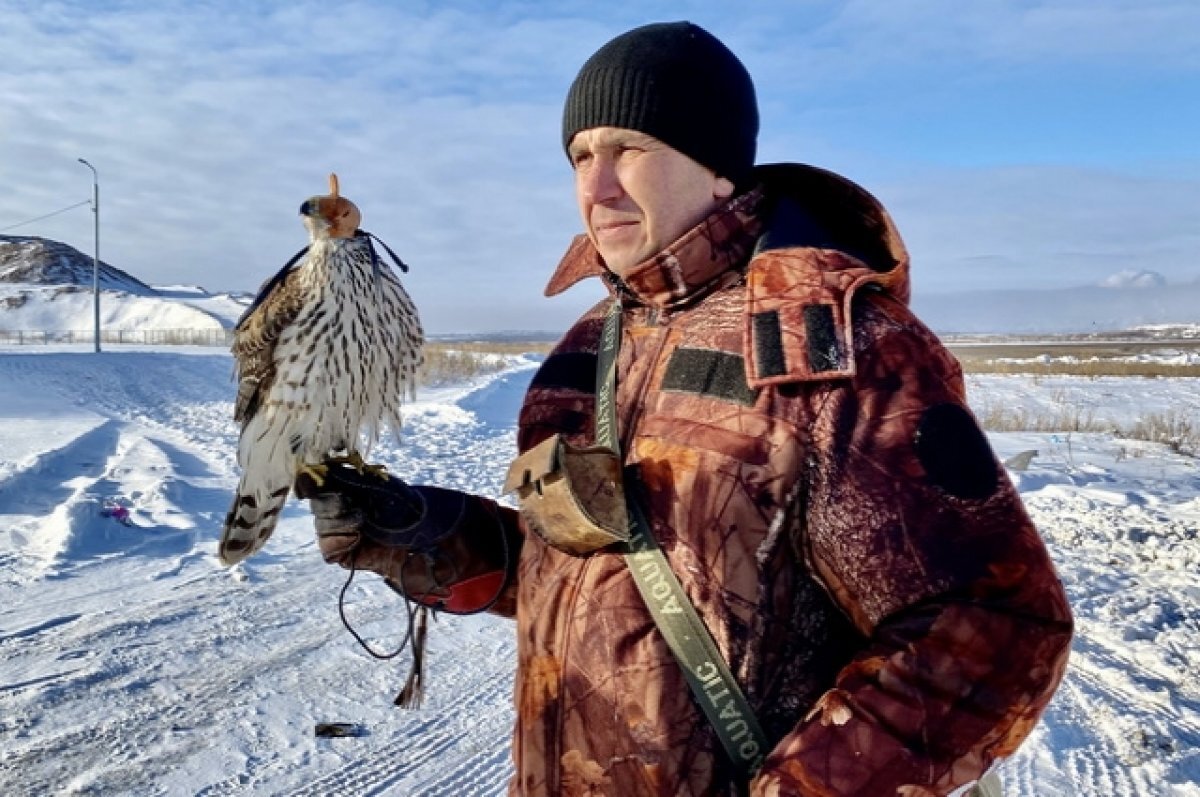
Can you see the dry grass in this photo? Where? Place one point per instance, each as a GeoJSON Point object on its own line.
{"type": "Point", "coordinates": [1088, 359]}
{"type": "Point", "coordinates": [1173, 429]}
{"type": "Point", "coordinates": [492, 346]}
{"type": "Point", "coordinates": [1092, 359]}
{"type": "Point", "coordinates": [1093, 369]}
{"type": "Point", "coordinates": [1062, 419]}
{"type": "Point", "coordinates": [448, 362]}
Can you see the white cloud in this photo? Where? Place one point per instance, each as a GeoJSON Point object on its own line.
{"type": "Point", "coordinates": [210, 122]}
{"type": "Point", "coordinates": [210, 125]}
{"type": "Point", "coordinates": [1134, 278]}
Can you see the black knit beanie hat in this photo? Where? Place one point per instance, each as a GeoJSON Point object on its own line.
{"type": "Point", "coordinates": [674, 81]}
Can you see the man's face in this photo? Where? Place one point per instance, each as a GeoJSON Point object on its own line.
{"type": "Point", "coordinates": [637, 194]}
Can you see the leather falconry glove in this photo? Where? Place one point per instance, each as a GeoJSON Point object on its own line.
{"type": "Point", "coordinates": [443, 548]}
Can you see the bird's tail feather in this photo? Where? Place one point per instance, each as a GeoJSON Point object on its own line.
{"type": "Point", "coordinates": [249, 523]}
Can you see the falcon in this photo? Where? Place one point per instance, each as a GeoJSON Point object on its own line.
{"type": "Point", "coordinates": [324, 357]}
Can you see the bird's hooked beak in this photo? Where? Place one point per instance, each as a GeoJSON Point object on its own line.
{"type": "Point", "coordinates": [332, 215]}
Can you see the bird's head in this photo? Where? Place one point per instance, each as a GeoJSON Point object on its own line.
{"type": "Point", "coordinates": [330, 216]}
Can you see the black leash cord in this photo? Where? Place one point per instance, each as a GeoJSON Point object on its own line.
{"type": "Point", "coordinates": [410, 608]}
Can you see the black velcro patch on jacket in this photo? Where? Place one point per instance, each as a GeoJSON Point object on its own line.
{"type": "Point", "coordinates": [955, 453]}
{"type": "Point", "coordinates": [768, 345]}
{"type": "Point", "coordinates": [569, 370]}
{"type": "Point", "coordinates": [821, 336]}
{"type": "Point", "coordinates": [706, 372]}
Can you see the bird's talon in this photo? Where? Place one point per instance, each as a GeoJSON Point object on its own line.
{"type": "Point", "coordinates": [378, 471]}
{"type": "Point", "coordinates": [315, 472]}
{"type": "Point", "coordinates": [355, 460]}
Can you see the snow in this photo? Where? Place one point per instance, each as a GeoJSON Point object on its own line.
{"type": "Point", "coordinates": [39, 309]}
{"type": "Point", "coordinates": [1172, 357]}
{"type": "Point", "coordinates": [132, 663]}
{"type": "Point", "coordinates": [227, 308]}
{"type": "Point", "coordinates": [59, 308]}
{"type": "Point", "coordinates": [1114, 401]}
{"type": "Point", "coordinates": [46, 287]}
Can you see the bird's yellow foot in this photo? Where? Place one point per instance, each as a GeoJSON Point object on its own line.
{"type": "Point", "coordinates": [378, 471]}
{"type": "Point", "coordinates": [355, 460]}
{"type": "Point", "coordinates": [315, 472]}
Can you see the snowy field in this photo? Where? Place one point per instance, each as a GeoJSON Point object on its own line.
{"type": "Point", "coordinates": [131, 663]}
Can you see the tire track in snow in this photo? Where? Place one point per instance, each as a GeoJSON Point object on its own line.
{"type": "Point", "coordinates": [158, 711]}
{"type": "Point", "coordinates": [54, 504]}
{"type": "Point", "coordinates": [449, 741]}
{"type": "Point", "coordinates": [1124, 722]}
{"type": "Point", "coordinates": [45, 625]}
{"type": "Point", "coordinates": [461, 728]}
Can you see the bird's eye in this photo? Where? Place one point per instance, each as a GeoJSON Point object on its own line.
{"type": "Point", "coordinates": [306, 208]}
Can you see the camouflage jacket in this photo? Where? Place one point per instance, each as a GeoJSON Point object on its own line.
{"type": "Point", "coordinates": [802, 446]}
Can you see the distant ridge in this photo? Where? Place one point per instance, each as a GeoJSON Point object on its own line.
{"type": "Point", "coordinates": [1057, 311]}
{"type": "Point", "coordinates": [31, 260]}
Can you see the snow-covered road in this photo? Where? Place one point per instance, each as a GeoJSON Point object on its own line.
{"type": "Point", "coordinates": [132, 663]}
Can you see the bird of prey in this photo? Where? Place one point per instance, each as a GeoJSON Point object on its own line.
{"type": "Point", "coordinates": [324, 357]}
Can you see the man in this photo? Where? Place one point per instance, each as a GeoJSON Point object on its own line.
{"type": "Point", "coordinates": [801, 449]}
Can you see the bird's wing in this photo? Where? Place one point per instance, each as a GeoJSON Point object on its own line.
{"type": "Point", "coordinates": [269, 286]}
{"type": "Point", "coordinates": [278, 302]}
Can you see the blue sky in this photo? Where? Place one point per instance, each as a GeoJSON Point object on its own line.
{"type": "Point", "coordinates": [1018, 144]}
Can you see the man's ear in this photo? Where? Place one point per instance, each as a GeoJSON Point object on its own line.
{"type": "Point", "coordinates": [723, 188]}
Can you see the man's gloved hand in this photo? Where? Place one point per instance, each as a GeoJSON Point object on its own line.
{"type": "Point", "coordinates": [410, 535]}
{"type": "Point", "coordinates": [351, 505]}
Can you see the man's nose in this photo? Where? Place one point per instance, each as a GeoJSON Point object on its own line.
{"type": "Point", "coordinates": [600, 182]}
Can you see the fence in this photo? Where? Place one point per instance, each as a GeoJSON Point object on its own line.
{"type": "Point", "coordinates": [147, 337]}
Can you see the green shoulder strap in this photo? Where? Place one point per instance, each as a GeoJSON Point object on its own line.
{"type": "Point", "coordinates": [713, 685]}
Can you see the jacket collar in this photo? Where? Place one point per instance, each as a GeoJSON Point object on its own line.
{"type": "Point", "coordinates": [687, 269]}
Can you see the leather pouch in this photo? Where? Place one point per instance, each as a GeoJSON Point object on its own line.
{"type": "Point", "coordinates": [571, 497]}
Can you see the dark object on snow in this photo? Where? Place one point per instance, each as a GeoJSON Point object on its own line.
{"type": "Point", "coordinates": [334, 730]}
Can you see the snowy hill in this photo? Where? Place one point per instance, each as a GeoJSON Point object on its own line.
{"type": "Point", "coordinates": [46, 286]}
{"type": "Point", "coordinates": [133, 664]}
{"type": "Point", "coordinates": [69, 308]}
{"type": "Point", "coordinates": [41, 261]}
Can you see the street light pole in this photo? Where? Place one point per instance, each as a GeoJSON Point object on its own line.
{"type": "Point", "coordinates": [95, 254]}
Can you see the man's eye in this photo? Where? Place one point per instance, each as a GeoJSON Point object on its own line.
{"type": "Point", "coordinates": [580, 158]}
